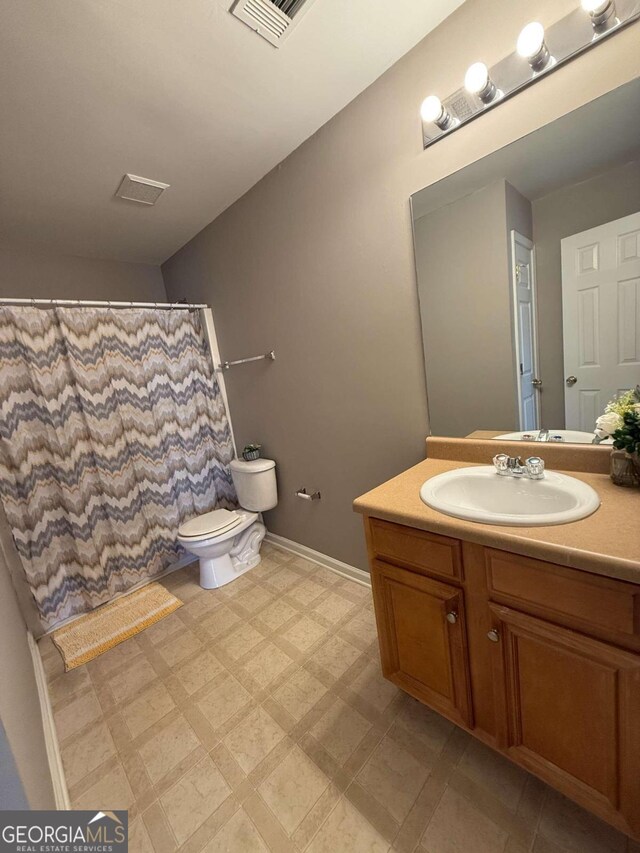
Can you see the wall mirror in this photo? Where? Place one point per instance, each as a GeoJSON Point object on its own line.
{"type": "Point", "coordinates": [528, 271]}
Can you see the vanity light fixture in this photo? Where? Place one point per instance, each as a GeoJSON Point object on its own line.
{"type": "Point", "coordinates": [433, 111]}
{"type": "Point", "coordinates": [602, 12]}
{"type": "Point", "coordinates": [478, 82]}
{"type": "Point", "coordinates": [532, 46]}
{"type": "Point", "coordinates": [545, 49]}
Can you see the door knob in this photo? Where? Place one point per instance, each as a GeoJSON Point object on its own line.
{"type": "Point", "coordinates": [571, 380]}
{"type": "Point", "coordinates": [493, 635]}
{"type": "Point", "coordinates": [537, 383]}
{"type": "Point", "coordinates": [452, 617]}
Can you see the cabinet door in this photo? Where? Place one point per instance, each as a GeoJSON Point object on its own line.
{"type": "Point", "coordinates": [568, 709]}
{"type": "Point", "coordinates": [421, 630]}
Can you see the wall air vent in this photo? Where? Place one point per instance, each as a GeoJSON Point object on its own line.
{"type": "Point", "coordinates": [142, 190]}
{"type": "Point", "coordinates": [271, 19]}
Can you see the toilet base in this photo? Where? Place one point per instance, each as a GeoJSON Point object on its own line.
{"type": "Point", "coordinates": [243, 556]}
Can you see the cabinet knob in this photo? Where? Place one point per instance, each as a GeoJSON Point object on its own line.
{"type": "Point", "coordinates": [452, 617]}
{"type": "Point", "coordinates": [493, 635]}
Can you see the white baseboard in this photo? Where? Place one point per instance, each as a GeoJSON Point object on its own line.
{"type": "Point", "coordinates": [340, 568]}
{"type": "Point", "coordinates": [56, 770]}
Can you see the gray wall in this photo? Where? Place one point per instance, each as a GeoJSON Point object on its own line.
{"type": "Point", "coordinates": [19, 706]}
{"type": "Point", "coordinates": [12, 794]}
{"type": "Point", "coordinates": [609, 196]}
{"type": "Point", "coordinates": [519, 214]}
{"type": "Point", "coordinates": [42, 274]}
{"type": "Point", "coordinates": [317, 262]}
{"type": "Point", "coordinates": [462, 266]}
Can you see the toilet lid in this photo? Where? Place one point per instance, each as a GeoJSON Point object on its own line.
{"type": "Point", "coordinates": [218, 521]}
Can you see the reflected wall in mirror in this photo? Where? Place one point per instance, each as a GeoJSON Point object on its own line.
{"type": "Point", "coordinates": [528, 270]}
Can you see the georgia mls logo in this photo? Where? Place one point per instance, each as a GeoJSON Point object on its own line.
{"type": "Point", "coordinates": [63, 832]}
{"type": "Point", "coordinates": [111, 815]}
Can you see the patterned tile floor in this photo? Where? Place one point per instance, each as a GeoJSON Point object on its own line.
{"type": "Point", "coordinates": [255, 718]}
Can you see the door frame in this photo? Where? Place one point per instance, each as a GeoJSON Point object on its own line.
{"type": "Point", "coordinates": [516, 238]}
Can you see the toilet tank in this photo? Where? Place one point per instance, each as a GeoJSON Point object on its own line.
{"type": "Point", "coordinates": [255, 483]}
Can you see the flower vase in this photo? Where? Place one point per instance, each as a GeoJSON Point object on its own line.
{"type": "Point", "coordinates": [625, 468]}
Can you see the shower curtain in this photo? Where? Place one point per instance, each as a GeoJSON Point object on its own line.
{"type": "Point", "coordinates": [112, 432]}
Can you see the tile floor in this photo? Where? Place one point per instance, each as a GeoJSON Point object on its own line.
{"type": "Point", "coordinates": [255, 719]}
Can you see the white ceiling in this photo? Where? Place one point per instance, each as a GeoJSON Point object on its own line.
{"type": "Point", "coordinates": [174, 90]}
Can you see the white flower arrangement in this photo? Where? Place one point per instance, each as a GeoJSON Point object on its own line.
{"type": "Point", "coordinates": [613, 418]}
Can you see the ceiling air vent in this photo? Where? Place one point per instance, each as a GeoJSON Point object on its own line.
{"type": "Point", "coordinates": [271, 19]}
{"type": "Point", "coordinates": [143, 190]}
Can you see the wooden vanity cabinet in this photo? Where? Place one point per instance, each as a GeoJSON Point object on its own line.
{"type": "Point", "coordinates": [568, 710]}
{"type": "Point", "coordinates": [423, 645]}
{"type": "Point", "coordinates": [547, 657]}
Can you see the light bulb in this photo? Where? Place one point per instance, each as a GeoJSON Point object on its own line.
{"type": "Point", "coordinates": [431, 109]}
{"type": "Point", "coordinates": [476, 78]}
{"type": "Point", "coordinates": [477, 82]}
{"type": "Point", "coordinates": [530, 40]}
{"type": "Point", "coordinates": [595, 7]}
{"type": "Point", "coordinates": [601, 12]}
{"type": "Point", "coordinates": [531, 46]}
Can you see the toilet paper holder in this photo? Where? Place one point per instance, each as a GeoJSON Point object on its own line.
{"type": "Point", "coordinates": [302, 493]}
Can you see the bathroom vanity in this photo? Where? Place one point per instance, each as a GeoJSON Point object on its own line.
{"type": "Point", "coordinates": [528, 638]}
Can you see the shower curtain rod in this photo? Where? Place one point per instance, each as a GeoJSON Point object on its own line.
{"type": "Point", "coordinates": [95, 303]}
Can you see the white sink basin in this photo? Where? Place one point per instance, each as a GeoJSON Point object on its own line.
{"type": "Point", "coordinates": [572, 436]}
{"type": "Point", "coordinates": [480, 494]}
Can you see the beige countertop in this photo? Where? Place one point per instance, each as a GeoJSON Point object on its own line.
{"type": "Point", "coordinates": [606, 543]}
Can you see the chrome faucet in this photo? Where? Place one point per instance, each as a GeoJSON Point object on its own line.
{"type": "Point", "coordinates": [512, 466]}
{"type": "Point", "coordinates": [543, 435]}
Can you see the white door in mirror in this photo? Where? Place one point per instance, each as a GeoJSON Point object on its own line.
{"type": "Point", "coordinates": [523, 283]}
{"type": "Point", "coordinates": [601, 317]}
{"type": "Point", "coordinates": [480, 494]}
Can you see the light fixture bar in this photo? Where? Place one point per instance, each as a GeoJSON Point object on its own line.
{"type": "Point", "coordinates": [539, 52]}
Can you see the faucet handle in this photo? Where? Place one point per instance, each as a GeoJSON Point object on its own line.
{"type": "Point", "coordinates": [501, 463]}
{"type": "Point", "coordinates": [535, 467]}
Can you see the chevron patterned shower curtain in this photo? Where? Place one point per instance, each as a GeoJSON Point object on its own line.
{"type": "Point", "coordinates": [112, 432]}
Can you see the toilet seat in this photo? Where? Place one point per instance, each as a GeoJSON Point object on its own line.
{"type": "Point", "coordinates": [209, 525]}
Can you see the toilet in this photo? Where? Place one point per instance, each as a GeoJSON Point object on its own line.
{"type": "Point", "coordinates": [227, 542]}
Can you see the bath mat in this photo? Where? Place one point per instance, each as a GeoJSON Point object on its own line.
{"type": "Point", "coordinates": [97, 632]}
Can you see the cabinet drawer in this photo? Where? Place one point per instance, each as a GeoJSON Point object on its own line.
{"type": "Point", "coordinates": [597, 604]}
{"type": "Point", "coordinates": [438, 555]}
